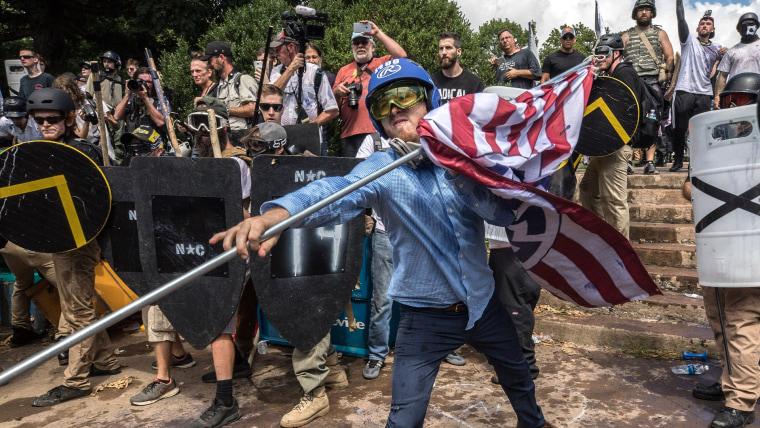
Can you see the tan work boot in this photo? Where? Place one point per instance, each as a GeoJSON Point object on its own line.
{"type": "Point", "coordinates": [336, 378]}
{"type": "Point", "coordinates": [312, 405]}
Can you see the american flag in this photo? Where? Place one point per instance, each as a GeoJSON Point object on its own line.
{"type": "Point", "coordinates": [508, 147]}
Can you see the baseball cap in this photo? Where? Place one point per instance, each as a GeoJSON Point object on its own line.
{"type": "Point", "coordinates": [355, 35]}
{"type": "Point", "coordinates": [281, 39]}
{"type": "Point", "coordinates": [215, 104]}
{"type": "Point", "coordinates": [146, 134]}
{"type": "Point", "coordinates": [217, 48]}
{"type": "Point", "coordinates": [567, 30]}
{"type": "Point", "coordinates": [270, 131]}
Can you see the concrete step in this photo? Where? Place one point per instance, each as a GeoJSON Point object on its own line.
{"type": "Point", "coordinates": [663, 180]}
{"type": "Point", "coordinates": [674, 255]}
{"type": "Point", "coordinates": [676, 233]}
{"type": "Point", "coordinates": [665, 213]}
{"type": "Point", "coordinates": [655, 197]}
{"type": "Point", "coordinates": [627, 334]}
{"type": "Point", "coordinates": [669, 308]}
{"type": "Point", "coordinates": [682, 280]}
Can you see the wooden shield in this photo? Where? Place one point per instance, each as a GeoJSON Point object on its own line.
{"type": "Point", "coordinates": [53, 198]}
{"type": "Point", "coordinates": [304, 284]}
{"type": "Point", "coordinates": [610, 119]}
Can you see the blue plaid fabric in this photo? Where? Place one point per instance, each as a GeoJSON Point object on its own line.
{"type": "Point", "coordinates": [439, 252]}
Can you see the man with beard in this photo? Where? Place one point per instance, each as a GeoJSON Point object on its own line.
{"type": "Point", "coordinates": [112, 85]}
{"type": "Point", "coordinates": [693, 89]}
{"type": "Point", "coordinates": [743, 57]}
{"type": "Point", "coordinates": [563, 59]}
{"type": "Point", "coordinates": [452, 80]}
{"type": "Point", "coordinates": [141, 106]}
{"type": "Point", "coordinates": [236, 90]}
{"type": "Point", "coordinates": [443, 285]}
{"type": "Point", "coordinates": [516, 68]}
{"type": "Point", "coordinates": [356, 123]}
{"type": "Point", "coordinates": [648, 48]}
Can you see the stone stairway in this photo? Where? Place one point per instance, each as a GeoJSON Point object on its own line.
{"type": "Point", "coordinates": [662, 233]}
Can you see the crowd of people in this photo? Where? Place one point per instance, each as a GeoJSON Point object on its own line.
{"type": "Point", "coordinates": [427, 247]}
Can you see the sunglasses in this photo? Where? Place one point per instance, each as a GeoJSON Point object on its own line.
{"type": "Point", "coordinates": [25, 56]}
{"type": "Point", "coordinates": [403, 95]}
{"type": "Point", "coordinates": [568, 37]}
{"type": "Point", "coordinates": [359, 41]}
{"type": "Point", "coordinates": [198, 121]}
{"type": "Point", "coordinates": [49, 119]}
{"type": "Point", "coordinates": [265, 107]}
{"type": "Point", "coordinates": [736, 99]}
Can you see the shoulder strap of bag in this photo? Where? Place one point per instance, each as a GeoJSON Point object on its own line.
{"type": "Point", "coordinates": [648, 45]}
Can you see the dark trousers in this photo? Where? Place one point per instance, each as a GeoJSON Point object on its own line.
{"type": "Point", "coordinates": [685, 106]}
{"type": "Point", "coordinates": [519, 294]}
{"type": "Point", "coordinates": [426, 336]}
{"type": "Point", "coordinates": [350, 145]}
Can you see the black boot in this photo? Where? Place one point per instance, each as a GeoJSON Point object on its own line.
{"type": "Point", "coordinates": [677, 165]}
{"type": "Point", "coordinates": [732, 418]}
{"type": "Point", "coordinates": [22, 336]}
{"type": "Point", "coordinates": [659, 158]}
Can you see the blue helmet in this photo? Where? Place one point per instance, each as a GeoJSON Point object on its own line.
{"type": "Point", "coordinates": [401, 69]}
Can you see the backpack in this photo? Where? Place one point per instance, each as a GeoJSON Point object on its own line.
{"type": "Point", "coordinates": [651, 114]}
{"type": "Point", "coordinates": [252, 121]}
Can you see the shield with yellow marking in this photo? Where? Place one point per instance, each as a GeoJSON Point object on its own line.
{"type": "Point", "coordinates": [53, 198]}
{"type": "Point", "coordinates": [610, 119]}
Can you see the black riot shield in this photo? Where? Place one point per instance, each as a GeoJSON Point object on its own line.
{"type": "Point", "coordinates": [610, 119]}
{"type": "Point", "coordinates": [53, 198]}
{"type": "Point", "coordinates": [306, 281]}
{"type": "Point", "coordinates": [175, 206]}
{"type": "Point", "coordinates": [120, 241]}
{"type": "Point", "coordinates": [303, 137]}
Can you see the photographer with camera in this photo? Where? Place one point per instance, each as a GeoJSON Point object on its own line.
{"type": "Point", "coordinates": [141, 106]}
{"type": "Point", "coordinates": [352, 80]}
{"type": "Point", "coordinates": [86, 110]}
{"type": "Point", "coordinates": [308, 105]}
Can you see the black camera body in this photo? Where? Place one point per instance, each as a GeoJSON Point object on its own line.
{"type": "Point", "coordinates": [90, 114]}
{"type": "Point", "coordinates": [136, 85]}
{"type": "Point", "coordinates": [354, 93]}
{"type": "Point", "coordinates": [297, 25]}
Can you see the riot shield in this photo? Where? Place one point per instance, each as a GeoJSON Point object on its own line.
{"type": "Point", "coordinates": [165, 210]}
{"type": "Point", "coordinates": [306, 281]}
{"type": "Point", "coordinates": [303, 137]}
{"type": "Point", "coordinates": [53, 198]}
{"type": "Point", "coordinates": [610, 119]}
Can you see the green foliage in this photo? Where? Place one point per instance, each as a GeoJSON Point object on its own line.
{"type": "Point", "coordinates": [584, 43]}
{"type": "Point", "coordinates": [486, 46]}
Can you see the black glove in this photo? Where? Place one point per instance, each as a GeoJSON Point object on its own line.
{"type": "Point", "coordinates": [403, 148]}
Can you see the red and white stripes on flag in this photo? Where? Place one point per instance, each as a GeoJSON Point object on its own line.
{"type": "Point", "coordinates": [508, 146]}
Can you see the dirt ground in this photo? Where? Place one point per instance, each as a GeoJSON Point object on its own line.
{"type": "Point", "coordinates": [578, 387]}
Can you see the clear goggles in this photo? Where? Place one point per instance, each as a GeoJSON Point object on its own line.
{"type": "Point", "coordinates": [404, 94]}
{"type": "Point", "coordinates": [602, 52]}
{"type": "Point", "coordinates": [198, 121]}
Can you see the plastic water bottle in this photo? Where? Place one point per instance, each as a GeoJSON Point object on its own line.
{"type": "Point", "coordinates": [652, 115]}
{"type": "Point", "coordinates": [262, 347]}
{"type": "Point", "coordinates": [690, 369]}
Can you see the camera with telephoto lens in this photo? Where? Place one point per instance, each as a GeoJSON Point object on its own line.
{"type": "Point", "coordinates": [90, 115]}
{"type": "Point", "coordinates": [303, 31]}
{"type": "Point", "coordinates": [354, 93]}
{"type": "Point", "coordinates": [136, 85]}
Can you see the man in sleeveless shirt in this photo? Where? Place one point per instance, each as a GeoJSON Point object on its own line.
{"type": "Point", "coordinates": [647, 65]}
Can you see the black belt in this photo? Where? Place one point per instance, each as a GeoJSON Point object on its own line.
{"type": "Point", "coordinates": [456, 307]}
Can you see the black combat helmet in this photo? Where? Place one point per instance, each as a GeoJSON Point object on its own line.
{"type": "Point", "coordinates": [614, 41]}
{"type": "Point", "coordinates": [112, 56]}
{"type": "Point", "coordinates": [740, 90]}
{"type": "Point", "coordinates": [749, 15]}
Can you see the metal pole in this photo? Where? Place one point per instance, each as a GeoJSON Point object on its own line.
{"type": "Point", "coordinates": [188, 277]}
{"type": "Point", "coordinates": [723, 329]}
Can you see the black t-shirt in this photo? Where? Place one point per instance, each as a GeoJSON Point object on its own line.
{"type": "Point", "coordinates": [558, 62]}
{"type": "Point", "coordinates": [31, 84]}
{"type": "Point", "coordinates": [520, 60]}
{"type": "Point", "coordinates": [452, 87]}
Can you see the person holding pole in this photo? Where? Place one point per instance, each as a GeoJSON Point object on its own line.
{"type": "Point", "coordinates": [441, 277]}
